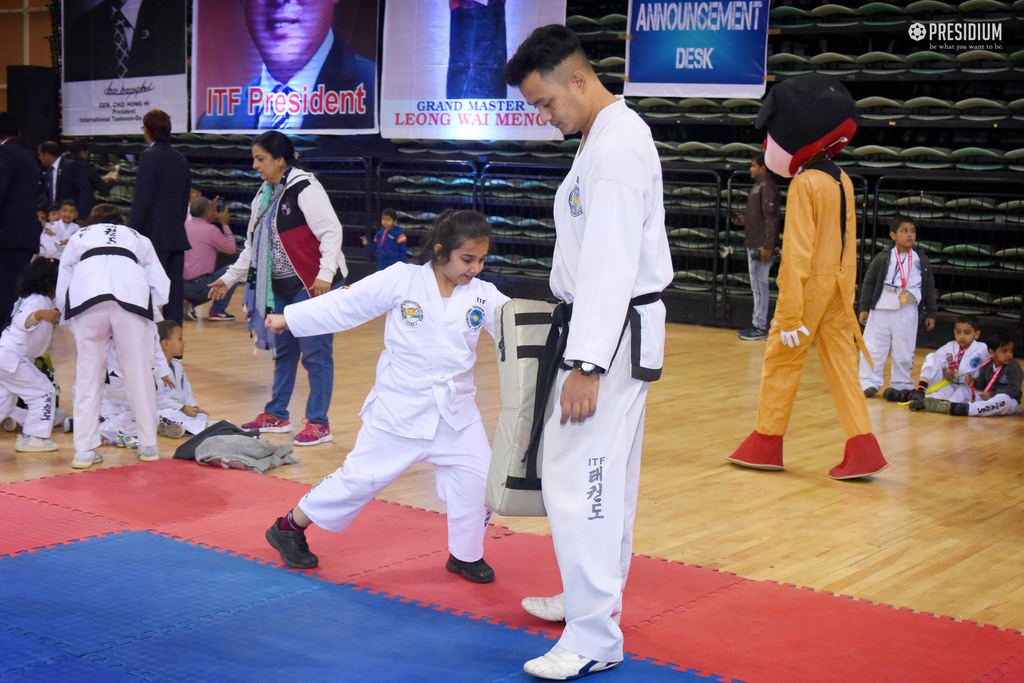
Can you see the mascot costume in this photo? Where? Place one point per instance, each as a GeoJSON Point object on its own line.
{"type": "Point", "coordinates": [810, 119]}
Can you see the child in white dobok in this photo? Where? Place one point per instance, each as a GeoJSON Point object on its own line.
{"type": "Point", "coordinates": [421, 408]}
{"type": "Point", "coordinates": [27, 337]}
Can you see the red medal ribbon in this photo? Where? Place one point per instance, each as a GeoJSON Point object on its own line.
{"type": "Point", "coordinates": [899, 266]}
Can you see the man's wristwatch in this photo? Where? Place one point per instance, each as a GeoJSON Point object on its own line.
{"type": "Point", "coordinates": [586, 369]}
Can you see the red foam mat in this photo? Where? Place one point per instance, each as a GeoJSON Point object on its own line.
{"type": "Point", "coordinates": [150, 493]}
{"type": "Point", "coordinates": [27, 524]}
{"type": "Point", "coordinates": [688, 616]}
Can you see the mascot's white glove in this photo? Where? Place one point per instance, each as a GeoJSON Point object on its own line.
{"type": "Point", "coordinates": [792, 339]}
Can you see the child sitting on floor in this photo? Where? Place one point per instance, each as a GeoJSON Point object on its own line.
{"type": "Point", "coordinates": [945, 369]}
{"type": "Point", "coordinates": [27, 337]}
{"type": "Point", "coordinates": [994, 391]}
{"type": "Point", "coordinates": [175, 403]}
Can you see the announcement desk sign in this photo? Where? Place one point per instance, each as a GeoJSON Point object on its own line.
{"type": "Point", "coordinates": [697, 48]}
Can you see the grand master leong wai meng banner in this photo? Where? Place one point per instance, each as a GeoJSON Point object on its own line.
{"type": "Point", "coordinates": [443, 75]}
{"type": "Point", "coordinates": [306, 67]}
{"type": "Point", "coordinates": [697, 48]}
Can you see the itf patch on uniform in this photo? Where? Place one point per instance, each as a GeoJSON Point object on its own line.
{"type": "Point", "coordinates": [475, 317]}
{"type": "Point", "coordinates": [575, 205]}
{"type": "Point", "coordinates": [412, 313]}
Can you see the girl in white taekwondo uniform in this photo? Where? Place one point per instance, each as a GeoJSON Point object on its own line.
{"type": "Point", "coordinates": [421, 407]}
{"type": "Point", "coordinates": [109, 288]}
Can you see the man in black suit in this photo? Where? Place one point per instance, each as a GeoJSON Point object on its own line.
{"type": "Point", "coordinates": [125, 39]}
{"type": "Point", "coordinates": [160, 205]}
{"type": "Point", "coordinates": [64, 178]}
{"type": "Point", "coordinates": [19, 225]}
{"type": "Point", "coordinates": [300, 53]}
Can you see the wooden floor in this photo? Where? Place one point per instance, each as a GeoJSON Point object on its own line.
{"type": "Point", "coordinates": [941, 530]}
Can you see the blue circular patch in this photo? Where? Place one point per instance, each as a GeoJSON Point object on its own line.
{"type": "Point", "coordinates": [575, 205]}
{"type": "Point", "coordinates": [475, 318]}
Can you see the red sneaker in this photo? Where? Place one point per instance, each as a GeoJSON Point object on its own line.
{"type": "Point", "coordinates": [220, 317]}
{"type": "Point", "coordinates": [265, 422]}
{"type": "Point", "coordinates": [312, 434]}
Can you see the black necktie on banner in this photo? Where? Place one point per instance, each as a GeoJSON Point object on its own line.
{"type": "Point", "coordinates": [281, 117]}
{"type": "Point", "coordinates": [120, 41]}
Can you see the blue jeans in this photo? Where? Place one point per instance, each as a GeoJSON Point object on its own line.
{"type": "Point", "coordinates": [198, 292]}
{"type": "Point", "coordinates": [317, 355]}
{"type": "Point", "coordinates": [759, 271]}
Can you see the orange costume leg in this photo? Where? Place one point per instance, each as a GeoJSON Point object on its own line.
{"type": "Point", "coordinates": [862, 456]}
{"type": "Point", "coordinates": [780, 378]}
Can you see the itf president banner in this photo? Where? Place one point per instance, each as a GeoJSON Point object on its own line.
{"type": "Point", "coordinates": [444, 62]}
{"type": "Point", "coordinates": [697, 48]}
{"type": "Point", "coordinates": [120, 60]}
{"type": "Point", "coordinates": [306, 66]}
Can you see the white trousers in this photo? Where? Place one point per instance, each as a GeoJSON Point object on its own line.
{"type": "Point", "coordinates": [591, 475]}
{"type": "Point", "coordinates": [460, 460]}
{"type": "Point", "coordinates": [132, 335]}
{"type": "Point", "coordinates": [890, 331]}
{"type": "Point", "coordinates": [998, 405]}
{"type": "Point", "coordinates": [28, 383]}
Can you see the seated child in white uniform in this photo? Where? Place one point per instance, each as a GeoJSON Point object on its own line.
{"type": "Point", "coordinates": [421, 408]}
{"type": "Point", "coordinates": [175, 403]}
{"type": "Point", "coordinates": [117, 421]}
{"type": "Point", "coordinates": [994, 391]}
{"type": "Point", "coordinates": [946, 369]}
{"type": "Point", "coordinates": [27, 337]}
{"type": "Point", "coordinates": [55, 235]}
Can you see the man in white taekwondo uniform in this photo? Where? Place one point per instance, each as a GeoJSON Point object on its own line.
{"type": "Point", "coordinates": [611, 262]}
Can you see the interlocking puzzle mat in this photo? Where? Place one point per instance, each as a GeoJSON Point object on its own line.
{"type": "Point", "coordinates": [138, 605]}
{"type": "Point", "coordinates": [685, 617]}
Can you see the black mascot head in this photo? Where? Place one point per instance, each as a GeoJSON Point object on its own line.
{"type": "Point", "coordinates": [805, 115]}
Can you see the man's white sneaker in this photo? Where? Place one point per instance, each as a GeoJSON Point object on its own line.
{"type": "Point", "coordinates": [148, 454]}
{"type": "Point", "coordinates": [26, 443]}
{"type": "Point", "coordinates": [565, 666]}
{"type": "Point", "coordinates": [548, 609]}
{"type": "Point", "coordinates": [86, 459]}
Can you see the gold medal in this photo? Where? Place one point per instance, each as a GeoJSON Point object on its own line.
{"type": "Point", "coordinates": [904, 297]}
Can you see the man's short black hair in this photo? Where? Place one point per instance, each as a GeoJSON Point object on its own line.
{"type": "Point", "coordinates": [545, 48]}
{"type": "Point", "coordinates": [8, 125]}
{"type": "Point", "coordinates": [49, 147]}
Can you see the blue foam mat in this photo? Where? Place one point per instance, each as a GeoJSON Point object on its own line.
{"type": "Point", "coordinates": [138, 605]}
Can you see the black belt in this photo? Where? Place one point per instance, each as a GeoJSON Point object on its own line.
{"type": "Point", "coordinates": [547, 370]}
{"type": "Point", "coordinates": [108, 251]}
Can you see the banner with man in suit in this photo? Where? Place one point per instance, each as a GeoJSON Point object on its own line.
{"type": "Point", "coordinates": [443, 75]}
{"type": "Point", "coordinates": [122, 58]}
{"type": "Point", "coordinates": [308, 67]}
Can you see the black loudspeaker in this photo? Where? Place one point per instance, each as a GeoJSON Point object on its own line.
{"type": "Point", "coordinates": [32, 100]}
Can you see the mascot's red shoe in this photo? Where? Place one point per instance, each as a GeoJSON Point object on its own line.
{"type": "Point", "coordinates": [862, 458]}
{"type": "Point", "coordinates": [760, 452]}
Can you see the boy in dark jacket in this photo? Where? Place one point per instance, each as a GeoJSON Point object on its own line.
{"type": "Point", "coordinates": [898, 284]}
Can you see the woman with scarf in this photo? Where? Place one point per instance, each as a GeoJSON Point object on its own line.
{"type": "Point", "coordinates": [292, 253]}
